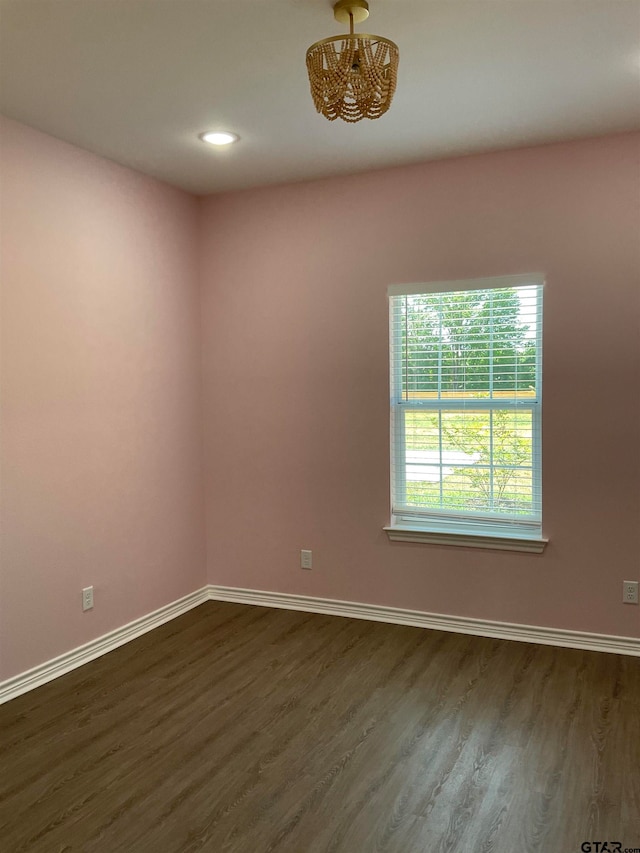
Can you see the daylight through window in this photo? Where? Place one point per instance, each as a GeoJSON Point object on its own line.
{"type": "Point", "coordinates": [466, 399]}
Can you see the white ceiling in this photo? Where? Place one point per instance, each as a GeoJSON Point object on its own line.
{"type": "Point", "coordinates": [138, 80]}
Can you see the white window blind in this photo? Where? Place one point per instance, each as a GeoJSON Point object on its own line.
{"type": "Point", "coordinates": [466, 387]}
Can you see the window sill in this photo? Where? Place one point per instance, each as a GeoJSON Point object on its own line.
{"type": "Point", "coordinates": [533, 545]}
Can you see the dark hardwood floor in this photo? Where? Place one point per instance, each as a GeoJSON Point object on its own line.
{"type": "Point", "coordinates": [245, 729]}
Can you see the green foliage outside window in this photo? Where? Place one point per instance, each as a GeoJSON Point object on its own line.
{"type": "Point", "coordinates": [466, 345]}
{"type": "Point", "coordinates": [467, 341]}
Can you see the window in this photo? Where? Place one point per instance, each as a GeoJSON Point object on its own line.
{"type": "Point", "coordinates": [466, 361]}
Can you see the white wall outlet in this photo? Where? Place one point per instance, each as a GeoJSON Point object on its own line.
{"type": "Point", "coordinates": [306, 560]}
{"type": "Point", "coordinates": [87, 598]}
{"type": "Point", "coordinates": [630, 592]}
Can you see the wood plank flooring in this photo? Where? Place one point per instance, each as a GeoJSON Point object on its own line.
{"type": "Point", "coordinates": [238, 729]}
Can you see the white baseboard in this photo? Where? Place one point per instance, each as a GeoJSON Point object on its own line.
{"type": "Point", "coordinates": [455, 624]}
{"type": "Point", "coordinates": [62, 664]}
{"type": "Point", "coordinates": [32, 678]}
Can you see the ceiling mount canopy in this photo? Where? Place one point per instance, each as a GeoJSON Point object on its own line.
{"type": "Point", "coordinates": [352, 76]}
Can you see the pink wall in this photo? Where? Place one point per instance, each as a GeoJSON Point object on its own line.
{"type": "Point", "coordinates": [296, 378]}
{"type": "Point", "coordinates": [101, 450]}
{"type": "Point", "coordinates": [101, 412]}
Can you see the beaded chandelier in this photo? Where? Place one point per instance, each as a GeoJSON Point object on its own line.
{"type": "Point", "coordinates": [352, 76]}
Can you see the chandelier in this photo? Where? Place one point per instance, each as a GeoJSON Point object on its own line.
{"type": "Point", "coordinates": [352, 76]}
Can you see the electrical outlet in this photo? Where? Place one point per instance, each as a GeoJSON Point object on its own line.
{"type": "Point", "coordinates": [630, 592]}
{"type": "Point", "coordinates": [87, 598]}
{"type": "Point", "coordinates": [305, 560]}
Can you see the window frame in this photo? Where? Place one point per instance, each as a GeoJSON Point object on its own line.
{"type": "Point", "coordinates": [458, 527]}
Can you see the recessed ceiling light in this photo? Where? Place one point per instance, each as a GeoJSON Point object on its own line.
{"type": "Point", "coordinates": [219, 137]}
